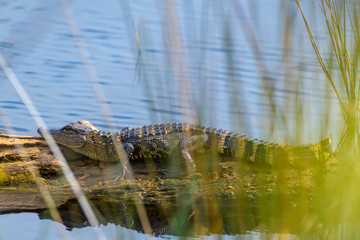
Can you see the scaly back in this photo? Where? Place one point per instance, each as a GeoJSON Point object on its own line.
{"type": "Point", "coordinates": [236, 145]}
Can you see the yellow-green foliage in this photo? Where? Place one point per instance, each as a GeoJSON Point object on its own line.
{"type": "Point", "coordinates": [337, 215]}
{"type": "Point", "coordinates": [345, 50]}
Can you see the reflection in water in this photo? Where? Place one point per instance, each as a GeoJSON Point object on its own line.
{"type": "Point", "coordinates": [109, 209]}
{"type": "Point", "coordinates": [232, 205]}
{"type": "Point", "coordinates": [233, 199]}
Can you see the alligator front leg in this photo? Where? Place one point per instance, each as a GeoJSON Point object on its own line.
{"type": "Point", "coordinates": [128, 149]}
{"type": "Point", "coordinates": [190, 144]}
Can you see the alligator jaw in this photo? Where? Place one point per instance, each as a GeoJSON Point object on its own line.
{"type": "Point", "coordinates": [71, 140]}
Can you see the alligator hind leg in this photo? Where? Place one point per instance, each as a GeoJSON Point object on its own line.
{"type": "Point", "coordinates": [190, 144]}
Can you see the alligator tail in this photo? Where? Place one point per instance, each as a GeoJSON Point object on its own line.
{"type": "Point", "coordinates": [269, 154]}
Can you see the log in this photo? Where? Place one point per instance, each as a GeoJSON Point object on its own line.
{"type": "Point", "coordinates": [15, 162]}
{"type": "Point", "coordinates": [229, 182]}
{"type": "Point", "coordinates": [19, 191]}
{"type": "Point", "coordinates": [19, 155]}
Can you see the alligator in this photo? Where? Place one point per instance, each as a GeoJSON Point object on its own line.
{"type": "Point", "coordinates": [159, 141]}
{"type": "Point", "coordinates": [162, 140]}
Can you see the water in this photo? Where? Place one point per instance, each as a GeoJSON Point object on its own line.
{"type": "Point", "coordinates": [143, 89]}
{"type": "Point", "coordinates": [48, 65]}
{"type": "Point", "coordinates": [46, 229]}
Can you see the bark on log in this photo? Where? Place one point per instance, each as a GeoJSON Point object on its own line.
{"type": "Point", "coordinates": [15, 163]}
{"type": "Point", "coordinates": [19, 155]}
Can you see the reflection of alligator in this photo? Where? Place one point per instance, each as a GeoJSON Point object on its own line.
{"type": "Point", "coordinates": [162, 140]}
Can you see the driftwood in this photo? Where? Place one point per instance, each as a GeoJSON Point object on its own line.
{"type": "Point", "coordinates": [231, 182]}
{"type": "Point", "coordinates": [15, 163]}
{"type": "Point", "coordinates": [19, 155]}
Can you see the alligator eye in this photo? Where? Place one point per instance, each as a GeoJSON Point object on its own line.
{"type": "Point", "coordinates": [68, 129]}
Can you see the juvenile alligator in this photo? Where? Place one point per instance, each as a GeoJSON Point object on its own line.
{"type": "Point", "coordinates": [161, 140]}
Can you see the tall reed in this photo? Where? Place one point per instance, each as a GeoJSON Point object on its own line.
{"type": "Point", "coordinates": [337, 214]}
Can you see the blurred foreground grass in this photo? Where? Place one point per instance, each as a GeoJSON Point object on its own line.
{"type": "Point", "coordinates": [329, 209]}
{"type": "Point", "coordinates": [340, 209]}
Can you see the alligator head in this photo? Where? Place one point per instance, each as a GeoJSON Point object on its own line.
{"type": "Point", "coordinates": [73, 135]}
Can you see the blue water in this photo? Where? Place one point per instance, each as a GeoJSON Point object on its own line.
{"type": "Point", "coordinates": [36, 41]}
{"type": "Point", "coordinates": [149, 87]}
{"type": "Point", "coordinates": [32, 228]}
